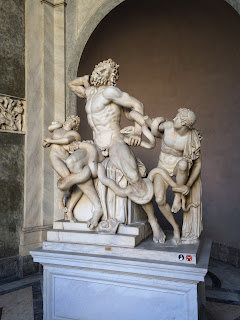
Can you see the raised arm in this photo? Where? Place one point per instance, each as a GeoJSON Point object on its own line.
{"type": "Point", "coordinates": [79, 85]}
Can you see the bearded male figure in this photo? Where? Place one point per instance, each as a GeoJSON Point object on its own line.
{"type": "Point", "coordinates": [180, 157]}
{"type": "Point", "coordinates": [104, 103]}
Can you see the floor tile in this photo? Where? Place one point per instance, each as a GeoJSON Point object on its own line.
{"type": "Point", "coordinates": [17, 305]}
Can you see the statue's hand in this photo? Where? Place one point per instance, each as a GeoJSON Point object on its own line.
{"type": "Point", "coordinates": [157, 121]}
{"type": "Point", "coordinates": [48, 140]}
{"type": "Point", "coordinates": [133, 140]}
{"type": "Point", "coordinates": [182, 189]}
{"type": "Point", "coordinates": [73, 146]}
{"type": "Point", "coordinates": [88, 141]}
{"type": "Point", "coordinates": [46, 144]}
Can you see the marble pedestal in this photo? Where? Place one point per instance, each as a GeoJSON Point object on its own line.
{"type": "Point", "coordinates": [78, 233]}
{"type": "Point", "coordinates": [96, 286]}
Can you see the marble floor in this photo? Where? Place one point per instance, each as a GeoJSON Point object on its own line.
{"type": "Point", "coordinates": [22, 299]}
{"type": "Point", "coordinates": [222, 291]}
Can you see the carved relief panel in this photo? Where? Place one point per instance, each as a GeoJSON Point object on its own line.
{"type": "Point", "coordinates": [11, 113]}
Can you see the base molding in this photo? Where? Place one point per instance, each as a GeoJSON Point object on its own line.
{"type": "Point", "coordinates": [121, 288]}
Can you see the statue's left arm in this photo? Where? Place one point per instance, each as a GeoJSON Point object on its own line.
{"type": "Point", "coordinates": [68, 138]}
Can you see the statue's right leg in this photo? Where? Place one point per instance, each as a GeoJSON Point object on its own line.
{"type": "Point", "coordinates": [89, 190]}
{"type": "Point", "coordinates": [181, 173]}
{"type": "Point", "coordinates": [74, 178]}
{"type": "Point", "coordinates": [60, 201]}
{"type": "Point", "coordinates": [158, 234]}
{"type": "Point", "coordinates": [160, 191]}
{"type": "Point", "coordinates": [123, 158]}
{"type": "Point", "coordinates": [75, 196]}
{"type": "Point", "coordinates": [60, 167]}
{"type": "Point", "coordinates": [79, 170]}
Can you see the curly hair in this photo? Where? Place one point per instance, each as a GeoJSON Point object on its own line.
{"type": "Point", "coordinates": [187, 117]}
{"type": "Point", "coordinates": [112, 79]}
{"type": "Point", "coordinates": [76, 119]}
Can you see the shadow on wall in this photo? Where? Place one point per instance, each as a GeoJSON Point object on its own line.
{"type": "Point", "coordinates": [182, 54]}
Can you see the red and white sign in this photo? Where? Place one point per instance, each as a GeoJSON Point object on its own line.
{"type": "Point", "coordinates": [188, 257]}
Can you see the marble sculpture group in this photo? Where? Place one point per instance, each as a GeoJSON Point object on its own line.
{"type": "Point", "coordinates": [107, 163]}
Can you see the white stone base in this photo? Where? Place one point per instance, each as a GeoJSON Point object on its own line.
{"type": "Point", "coordinates": [96, 287]}
{"type": "Point", "coordinates": [166, 252]}
{"type": "Point", "coordinates": [78, 232]}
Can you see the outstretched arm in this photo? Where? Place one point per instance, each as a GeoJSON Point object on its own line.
{"type": "Point", "coordinates": [68, 138]}
{"type": "Point", "coordinates": [79, 85]}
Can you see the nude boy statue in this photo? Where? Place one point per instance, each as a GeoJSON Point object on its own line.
{"type": "Point", "coordinates": [62, 136]}
{"type": "Point", "coordinates": [180, 157]}
{"type": "Point", "coordinates": [65, 145]}
{"type": "Point", "coordinates": [104, 103]}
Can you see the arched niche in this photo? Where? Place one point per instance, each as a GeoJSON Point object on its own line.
{"type": "Point", "coordinates": [78, 46]}
{"type": "Point", "coordinates": [87, 29]}
{"type": "Point", "coordinates": [218, 125]}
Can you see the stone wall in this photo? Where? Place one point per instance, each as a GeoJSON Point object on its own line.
{"type": "Point", "coordinates": [12, 44]}
{"type": "Point", "coordinates": [11, 195]}
{"type": "Point", "coordinates": [12, 144]}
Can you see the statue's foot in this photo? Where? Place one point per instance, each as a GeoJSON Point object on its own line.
{"type": "Point", "coordinates": [176, 235]}
{"type": "Point", "coordinates": [177, 203]}
{"type": "Point", "coordinates": [60, 205]}
{"type": "Point", "coordinates": [93, 222]}
{"type": "Point", "coordinates": [71, 217]}
{"type": "Point", "coordinates": [109, 226]}
{"type": "Point", "coordinates": [159, 237]}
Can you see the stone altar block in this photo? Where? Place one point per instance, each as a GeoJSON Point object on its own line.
{"type": "Point", "coordinates": [126, 236]}
{"type": "Point", "coordinates": [97, 282]}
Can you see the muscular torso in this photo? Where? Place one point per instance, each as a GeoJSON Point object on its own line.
{"type": "Point", "coordinates": [103, 117]}
{"type": "Point", "coordinates": [172, 148]}
{"type": "Point", "coordinates": [173, 140]}
{"type": "Point", "coordinates": [57, 149]}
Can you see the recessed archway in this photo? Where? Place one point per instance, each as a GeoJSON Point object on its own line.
{"type": "Point", "coordinates": [85, 33]}
{"type": "Point", "coordinates": [200, 71]}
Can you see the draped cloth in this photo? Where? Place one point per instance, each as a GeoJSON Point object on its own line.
{"type": "Point", "coordinates": [114, 207]}
{"type": "Point", "coordinates": [116, 210]}
{"type": "Point", "coordinates": [192, 219]}
{"type": "Point", "coordinates": [192, 148]}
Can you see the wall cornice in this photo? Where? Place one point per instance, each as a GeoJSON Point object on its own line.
{"type": "Point", "coordinates": [54, 5]}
